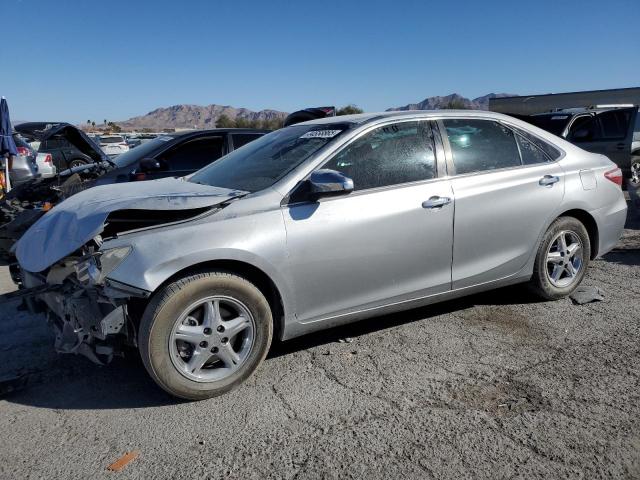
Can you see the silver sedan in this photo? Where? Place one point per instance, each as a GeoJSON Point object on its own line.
{"type": "Point", "coordinates": [312, 226]}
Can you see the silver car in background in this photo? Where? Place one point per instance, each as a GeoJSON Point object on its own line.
{"type": "Point", "coordinates": [24, 166]}
{"type": "Point", "coordinates": [316, 225]}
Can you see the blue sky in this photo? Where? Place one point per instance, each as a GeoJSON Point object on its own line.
{"type": "Point", "coordinates": [82, 59]}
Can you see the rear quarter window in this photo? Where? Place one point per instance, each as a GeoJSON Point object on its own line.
{"type": "Point", "coordinates": [549, 150]}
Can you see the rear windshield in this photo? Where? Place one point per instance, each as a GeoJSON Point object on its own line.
{"type": "Point", "coordinates": [263, 162]}
{"type": "Point", "coordinates": [111, 139]}
{"type": "Point", "coordinates": [555, 123]}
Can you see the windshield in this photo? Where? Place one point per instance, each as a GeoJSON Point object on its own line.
{"type": "Point", "coordinates": [263, 162]}
{"type": "Point", "coordinates": [142, 151]}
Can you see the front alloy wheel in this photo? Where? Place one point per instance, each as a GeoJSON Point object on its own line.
{"type": "Point", "coordinates": [204, 334]}
{"type": "Point", "coordinates": [212, 338]}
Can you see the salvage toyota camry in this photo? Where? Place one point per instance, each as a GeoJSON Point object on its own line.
{"type": "Point", "coordinates": [312, 226]}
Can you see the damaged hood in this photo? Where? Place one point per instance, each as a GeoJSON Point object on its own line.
{"type": "Point", "coordinates": [74, 222]}
{"type": "Point", "coordinates": [43, 130]}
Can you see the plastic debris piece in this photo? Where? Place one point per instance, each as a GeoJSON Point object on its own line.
{"type": "Point", "coordinates": [586, 294]}
{"type": "Point", "coordinates": [123, 461]}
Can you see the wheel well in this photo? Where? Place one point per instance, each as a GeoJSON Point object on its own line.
{"type": "Point", "coordinates": [256, 276]}
{"type": "Point", "coordinates": [590, 224]}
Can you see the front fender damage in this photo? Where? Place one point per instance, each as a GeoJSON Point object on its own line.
{"type": "Point", "coordinates": [66, 257]}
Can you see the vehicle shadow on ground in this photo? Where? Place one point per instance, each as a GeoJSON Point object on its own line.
{"type": "Point", "coordinates": [74, 383]}
{"type": "Point", "coordinates": [517, 294]}
{"type": "Point", "coordinates": [630, 257]}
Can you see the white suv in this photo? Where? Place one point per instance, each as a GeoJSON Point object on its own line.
{"type": "Point", "coordinates": [113, 145]}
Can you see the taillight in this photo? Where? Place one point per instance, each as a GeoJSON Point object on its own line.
{"type": "Point", "coordinates": [614, 176]}
{"type": "Point", "coordinates": [48, 158]}
{"type": "Point", "coordinates": [140, 176]}
{"type": "Point", "coordinates": [24, 151]}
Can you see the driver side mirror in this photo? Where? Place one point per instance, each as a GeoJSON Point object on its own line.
{"type": "Point", "coordinates": [150, 165]}
{"type": "Point", "coordinates": [327, 183]}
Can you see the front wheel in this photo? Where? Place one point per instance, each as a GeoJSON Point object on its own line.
{"type": "Point", "coordinates": [562, 259]}
{"type": "Point", "coordinates": [205, 334]}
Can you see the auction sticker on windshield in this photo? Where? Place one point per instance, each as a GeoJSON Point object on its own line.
{"type": "Point", "coordinates": [321, 134]}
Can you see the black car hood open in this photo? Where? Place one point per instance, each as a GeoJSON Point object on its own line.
{"type": "Point", "coordinates": [41, 131]}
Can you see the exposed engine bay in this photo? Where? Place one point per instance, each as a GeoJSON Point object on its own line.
{"type": "Point", "coordinates": [90, 315]}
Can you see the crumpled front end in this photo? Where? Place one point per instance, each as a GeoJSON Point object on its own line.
{"type": "Point", "coordinates": [91, 315]}
{"type": "Point", "coordinates": [65, 258]}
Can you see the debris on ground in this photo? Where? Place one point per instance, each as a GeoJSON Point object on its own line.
{"type": "Point", "coordinates": [345, 340]}
{"type": "Point", "coordinates": [123, 461]}
{"type": "Point", "coordinates": [586, 294]}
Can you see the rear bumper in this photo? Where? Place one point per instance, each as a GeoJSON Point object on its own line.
{"type": "Point", "coordinates": [610, 221]}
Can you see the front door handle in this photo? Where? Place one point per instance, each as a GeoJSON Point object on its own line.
{"type": "Point", "coordinates": [548, 180]}
{"type": "Point", "coordinates": [436, 202]}
{"type": "Point", "coordinates": [621, 146]}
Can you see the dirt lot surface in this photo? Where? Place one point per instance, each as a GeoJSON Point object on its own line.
{"type": "Point", "coordinates": [492, 386]}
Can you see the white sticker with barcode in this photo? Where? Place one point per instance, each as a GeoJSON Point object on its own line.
{"type": "Point", "coordinates": [321, 134]}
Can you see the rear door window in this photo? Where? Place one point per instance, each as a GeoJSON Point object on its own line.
{"type": "Point", "coordinates": [614, 124]}
{"type": "Point", "coordinates": [481, 145]}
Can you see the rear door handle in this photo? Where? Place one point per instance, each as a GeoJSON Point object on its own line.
{"type": "Point", "coordinates": [621, 146]}
{"type": "Point", "coordinates": [436, 202]}
{"type": "Point", "coordinates": [548, 180]}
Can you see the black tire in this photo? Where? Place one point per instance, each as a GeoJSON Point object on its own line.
{"type": "Point", "coordinates": [77, 162]}
{"type": "Point", "coordinates": [541, 284]}
{"type": "Point", "coordinates": [164, 309]}
{"type": "Point", "coordinates": [635, 171]}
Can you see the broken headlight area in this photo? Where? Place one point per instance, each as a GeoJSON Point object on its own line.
{"type": "Point", "coordinates": [94, 268]}
{"type": "Point", "coordinates": [90, 314]}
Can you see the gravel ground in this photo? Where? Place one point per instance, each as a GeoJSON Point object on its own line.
{"type": "Point", "coordinates": [492, 386]}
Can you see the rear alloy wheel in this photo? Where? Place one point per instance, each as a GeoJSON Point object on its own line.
{"type": "Point", "coordinates": [635, 171]}
{"type": "Point", "coordinates": [205, 334]}
{"type": "Point", "coordinates": [562, 259]}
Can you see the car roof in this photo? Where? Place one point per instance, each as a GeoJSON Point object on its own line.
{"type": "Point", "coordinates": [214, 130]}
{"type": "Point", "coordinates": [362, 118]}
{"type": "Point", "coordinates": [578, 110]}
